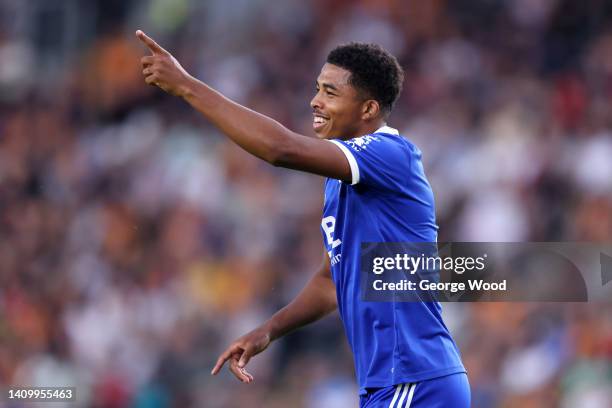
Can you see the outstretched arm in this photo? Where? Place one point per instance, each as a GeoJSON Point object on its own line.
{"type": "Point", "coordinates": [254, 132]}
{"type": "Point", "coordinates": [317, 299]}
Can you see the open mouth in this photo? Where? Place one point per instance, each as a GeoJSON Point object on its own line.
{"type": "Point", "coordinates": [319, 122]}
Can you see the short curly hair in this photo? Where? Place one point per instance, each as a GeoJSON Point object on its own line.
{"type": "Point", "coordinates": [373, 70]}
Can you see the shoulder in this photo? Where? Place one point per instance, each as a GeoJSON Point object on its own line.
{"type": "Point", "coordinates": [399, 142]}
{"type": "Point", "coordinates": [362, 142]}
{"type": "Point", "coordinates": [385, 138]}
{"type": "Point", "coordinates": [382, 158]}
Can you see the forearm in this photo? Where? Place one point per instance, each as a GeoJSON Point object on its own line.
{"type": "Point", "coordinates": [315, 301]}
{"type": "Point", "coordinates": [254, 132]}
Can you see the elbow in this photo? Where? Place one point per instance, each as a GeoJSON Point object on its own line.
{"type": "Point", "coordinates": [275, 157]}
{"type": "Point", "coordinates": [280, 154]}
{"type": "Point", "coordinates": [278, 159]}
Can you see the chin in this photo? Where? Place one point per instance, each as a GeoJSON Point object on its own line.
{"type": "Point", "coordinates": [325, 133]}
{"type": "Point", "coordinates": [321, 134]}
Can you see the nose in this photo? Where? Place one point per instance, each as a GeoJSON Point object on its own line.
{"type": "Point", "coordinates": [315, 103]}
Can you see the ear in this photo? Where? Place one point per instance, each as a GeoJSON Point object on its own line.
{"type": "Point", "coordinates": [370, 109]}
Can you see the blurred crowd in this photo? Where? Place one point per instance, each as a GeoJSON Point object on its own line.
{"type": "Point", "coordinates": [136, 242]}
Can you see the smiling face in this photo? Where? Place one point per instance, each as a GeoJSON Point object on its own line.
{"type": "Point", "coordinates": [339, 111]}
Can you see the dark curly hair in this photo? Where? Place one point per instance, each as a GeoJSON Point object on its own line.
{"type": "Point", "coordinates": [373, 69]}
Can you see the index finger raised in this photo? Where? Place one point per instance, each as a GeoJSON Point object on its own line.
{"type": "Point", "coordinates": [150, 43]}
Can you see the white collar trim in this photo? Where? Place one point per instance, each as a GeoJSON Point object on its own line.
{"type": "Point", "coordinates": [387, 129]}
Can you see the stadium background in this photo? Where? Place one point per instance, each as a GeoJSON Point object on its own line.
{"type": "Point", "coordinates": [136, 242]}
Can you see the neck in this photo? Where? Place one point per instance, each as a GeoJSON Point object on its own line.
{"type": "Point", "coordinates": [366, 129]}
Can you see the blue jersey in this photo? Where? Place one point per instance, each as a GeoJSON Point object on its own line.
{"type": "Point", "coordinates": [389, 200]}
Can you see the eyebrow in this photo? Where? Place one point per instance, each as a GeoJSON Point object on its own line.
{"type": "Point", "coordinates": [328, 86]}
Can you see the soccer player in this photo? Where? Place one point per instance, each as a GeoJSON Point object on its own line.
{"type": "Point", "coordinates": [376, 191]}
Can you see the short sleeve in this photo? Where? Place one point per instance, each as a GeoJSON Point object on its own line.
{"type": "Point", "coordinates": [376, 160]}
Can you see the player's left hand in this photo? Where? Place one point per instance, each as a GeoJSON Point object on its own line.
{"type": "Point", "coordinates": [162, 69]}
{"type": "Point", "coordinates": [240, 352]}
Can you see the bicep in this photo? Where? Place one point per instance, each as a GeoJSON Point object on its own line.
{"type": "Point", "coordinates": [314, 156]}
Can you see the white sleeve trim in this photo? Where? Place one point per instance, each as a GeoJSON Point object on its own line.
{"type": "Point", "coordinates": [351, 159]}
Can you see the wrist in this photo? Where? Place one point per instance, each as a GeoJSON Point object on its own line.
{"type": "Point", "coordinates": [188, 87]}
{"type": "Point", "coordinates": [270, 330]}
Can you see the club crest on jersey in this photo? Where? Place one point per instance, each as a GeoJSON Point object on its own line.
{"type": "Point", "coordinates": [360, 143]}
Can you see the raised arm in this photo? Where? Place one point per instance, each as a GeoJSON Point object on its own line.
{"type": "Point", "coordinates": [254, 132]}
{"type": "Point", "coordinates": [317, 299]}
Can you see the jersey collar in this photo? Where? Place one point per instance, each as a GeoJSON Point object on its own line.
{"type": "Point", "coordinates": [388, 130]}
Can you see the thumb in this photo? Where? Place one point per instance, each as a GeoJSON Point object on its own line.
{"type": "Point", "coordinates": [245, 357]}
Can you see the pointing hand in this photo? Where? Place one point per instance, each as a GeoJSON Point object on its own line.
{"type": "Point", "coordinates": [162, 69]}
{"type": "Point", "coordinates": [240, 352]}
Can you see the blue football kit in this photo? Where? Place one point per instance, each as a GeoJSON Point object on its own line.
{"type": "Point", "coordinates": [401, 349]}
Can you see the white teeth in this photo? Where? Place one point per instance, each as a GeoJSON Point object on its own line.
{"type": "Point", "coordinates": [318, 119]}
